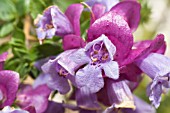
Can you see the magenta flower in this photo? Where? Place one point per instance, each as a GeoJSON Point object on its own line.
{"type": "Point", "coordinates": [9, 81]}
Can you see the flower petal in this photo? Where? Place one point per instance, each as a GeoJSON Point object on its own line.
{"type": "Point", "coordinates": [53, 106]}
{"type": "Point", "coordinates": [90, 77]}
{"type": "Point", "coordinates": [9, 81]}
{"type": "Point", "coordinates": [141, 107]}
{"type": "Point", "coordinates": [37, 97]}
{"type": "Point", "coordinates": [130, 10]}
{"type": "Point", "coordinates": [155, 65]}
{"type": "Point", "coordinates": [72, 42]}
{"type": "Point", "coordinates": [73, 13]}
{"type": "Point", "coordinates": [116, 29]}
{"type": "Point", "coordinates": [55, 82]}
{"type": "Point", "coordinates": [119, 94]}
{"type": "Point", "coordinates": [111, 69]}
{"type": "Point", "coordinates": [3, 58]}
{"type": "Point", "coordinates": [98, 11]}
{"type": "Point", "coordinates": [86, 100]}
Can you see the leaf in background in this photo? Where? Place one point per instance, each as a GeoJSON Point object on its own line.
{"type": "Point", "coordinates": [24, 5]}
{"type": "Point", "coordinates": [7, 10]}
{"type": "Point", "coordinates": [4, 47]}
{"type": "Point", "coordinates": [145, 11]}
{"type": "Point", "coordinates": [38, 6]}
{"type": "Point", "coordinates": [6, 29]}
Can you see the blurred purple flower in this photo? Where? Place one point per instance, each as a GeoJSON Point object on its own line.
{"type": "Point", "coordinates": [156, 66]}
{"type": "Point", "coordinates": [9, 81]}
{"type": "Point", "coordinates": [37, 97]}
{"type": "Point", "coordinates": [54, 22]}
{"type": "Point", "coordinates": [7, 109]}
{"type": "Point", "coordinates": [107, 3]}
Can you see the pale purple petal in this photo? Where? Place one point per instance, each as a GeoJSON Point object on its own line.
{"type": "Point", "coordinates": [7, 109]}
{"type": "Point", "coordinates": [72, 42]}
{"type": "Point", "coordinates": [107, 3]}
{"type": "Point", "coordinates": [131, 12]}
{"type": "Point", "coordinates": [155, 65]}
{"type": "Point", "coordinates": [73, 13]}
{"type": "Point", "coordinates": [155, 94]}
{"type": "Point", "coordinates": [119, 94]}
{"type": "Point", "coordinates": [55, 82]}
{"type": "Point", "coordinates": [141, 107]}
{"type": "Point", "coordinates": [109, 45]}
{"type": "Point", "coordinates": [38, 97]}
{"type": "Point", "coordinates": [90, 77]}
{"type": "Point", "coordinates": [60, 22]}
{"type": "Point", "coordinates": [9, 81]}
{"type": "Point", "coordinates": [86, 100]}
{"type": "Point", "coordinates": [80, 57]}
{"type": "Point", "coordinates": [111, 69]}
{"type": "Point", "coordinates": [41, 79]}
{"type": "Point", "coordinates": [121, 37]}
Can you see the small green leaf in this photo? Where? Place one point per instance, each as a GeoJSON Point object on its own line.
{"type": "Point", "coordinates": [7, 10]}
{"type": "Point", "coordinates": [6, 29]}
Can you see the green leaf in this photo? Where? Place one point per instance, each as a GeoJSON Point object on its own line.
{"type": "Point", "coordinates": [4, 47]}
{"type": "Point", "coordinates": [6, 29]}
{"type": "Point", "coordinates": [38, 6]}
{"type": "Point", "coordinates": [7, 10]}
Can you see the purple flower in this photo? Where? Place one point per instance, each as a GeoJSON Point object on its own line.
{"type": "Point", "coordinates": [60, 70]}
{"type": "Point", "coordinates": [156, 66]}
{"type": "Point", "coordinates": [37, 97]}
{"type": "Point", "coordinates": [54, 22]}
{"type": "Point", "coordinates": [96, 56]}
{"type": "Point", "coordinates": [53, 106]}
{"type": "Point", "coordinates": [9, 81]}
{"type": "Point", "coordinates": [7, 109]}
{"type": "Point", "coordinates": [141, 107]}
{"type": "Point", "coordinates": [107, 3]}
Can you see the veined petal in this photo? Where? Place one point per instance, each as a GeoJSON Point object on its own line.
{"type": "Point", "coordinates": [111, 69]}
{"type": "Point", "coordinates": [121, 37]}
{"type": "Point", "coordinates": [73, 13]}
{"type": "Point", "coordinates": [86, 100]}
{"type": "Point", "coordinates": [155, 65]}
{"type": "Point", "coordinates": [72, 42]}
{"type": "Point", "coordinates": [155, 94]}
{"type": "Point", "coordinates": [90, 77]}
{"type": "Point", "coordinates": [130, 10]}
{"type": "Point", "coordinates": [53, 106]}
{"type": "Point", "coordinates": [80, 57]}
{"type": "Point", "coordinates": [119, 94]}
{"type": "Point", "coordinates": [141, 107]}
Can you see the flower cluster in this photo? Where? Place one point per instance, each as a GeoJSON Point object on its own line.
{"type": "Point", "coordinates": [100, 72]}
